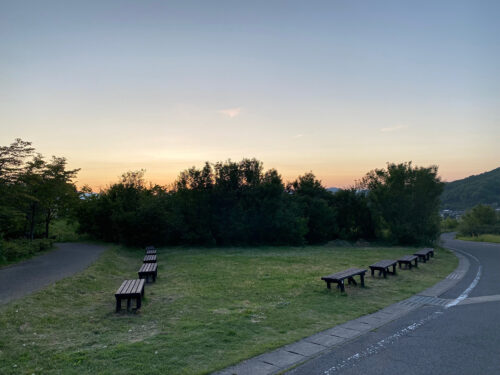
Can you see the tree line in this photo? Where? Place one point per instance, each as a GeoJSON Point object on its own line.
{"type": "Point", "coordinates": [239, 203]}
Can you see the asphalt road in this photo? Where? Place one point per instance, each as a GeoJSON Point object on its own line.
{"type": "Point", "coordinates": [463, 339]}
{"type": "Point", "coordinates": [34, 274]}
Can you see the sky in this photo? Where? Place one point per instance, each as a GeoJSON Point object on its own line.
{"type": "Point", "coordinates": [334, 87]}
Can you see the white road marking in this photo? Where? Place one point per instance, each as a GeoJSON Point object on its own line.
{"type": "Point", "coordinates": [375, 348]}
{"type": "Point", "coordinates": [467, 291]}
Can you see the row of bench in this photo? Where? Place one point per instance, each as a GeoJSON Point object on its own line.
{"type": "Point", "coordinates": [134, 289]}
{"type": "Point", "coordinates": [383, 267]}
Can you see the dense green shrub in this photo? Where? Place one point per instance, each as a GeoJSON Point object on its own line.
{"type": "Point", "coordinates": [20, 249]}
{"type": "Point", "coordinates": [481, 219]}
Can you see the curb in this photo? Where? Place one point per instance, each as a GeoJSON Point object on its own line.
{"type": "Point", "coordinates": [291, 355]}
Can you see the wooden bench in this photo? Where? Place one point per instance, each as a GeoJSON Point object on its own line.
{"type": "Point", "coordinates": [148, 270]}
{"type": "Point", "coordinates": [150, 248]}
{"type": "Point", "coordinates": [407, 259]}
{"type": "Point", "coordinates": [150, 252]}
{"type": "Point", "coordinates": [339, 278]}
{"type": "Point", "coordinates": [149, 259]}
{"type": "Point", "coordinates": [128, 290]}
{"type": "Point", "coordinates": [425, 254]}
{"type": "Point", "coordinates": [383, 267]}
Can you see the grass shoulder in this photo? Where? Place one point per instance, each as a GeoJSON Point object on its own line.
{"type": "Point", "coordinates": [209, 308]}
{"type": "Point", "coordinates": [495, 238]}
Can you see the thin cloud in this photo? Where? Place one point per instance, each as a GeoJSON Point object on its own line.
{"type": "Point", "coordinates": [230, 112]}
{"type": "Point", "coordinates": [393, 128]}
{"type": "Point", "coordinates": [298, 136]}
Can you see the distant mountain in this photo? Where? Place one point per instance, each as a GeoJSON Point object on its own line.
{"type": "Point", "coordinates": [332, 189]}
{"type": "Point", "coordinates": [462, 194]}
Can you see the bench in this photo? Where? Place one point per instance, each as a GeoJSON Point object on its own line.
{"type": "Point", "coordinates": [425, 254]}
{"type": "Point", "coordinates": [149, 259]}
{"type": "Point", "coordinates": [150, 252]}
{"type": "Point", "coordinates": [383, 267]}
{"type": "Point", "coordinates": [339, 278]}
{"type": "Point", "coordinates": [150, 248]}
{"type": "Point", "coordinates": [407, 259]}
{"type": "Point", "coordinates": [148, 270]}
{"type": "Point", "coordinates": [128, 290]}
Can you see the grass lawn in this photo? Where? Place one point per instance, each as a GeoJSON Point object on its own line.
{"type": "Point", "coordinates": [209, 308]}
{"type": "Point", "coordinates": [482, 238]}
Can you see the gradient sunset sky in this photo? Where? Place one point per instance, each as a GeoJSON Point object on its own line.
{"type": "Point", "coordinates": [335, 87]}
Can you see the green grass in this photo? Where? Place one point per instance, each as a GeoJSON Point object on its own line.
{"type": "Point", "coordinates": [481, 238]}
{"type": "Point", "coordinates": [209, 308]}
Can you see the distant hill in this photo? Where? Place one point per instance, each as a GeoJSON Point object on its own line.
{"type": "Point", "coordinates": [462, 194]}
{"type": "Point", "coordinates": [332, 189]}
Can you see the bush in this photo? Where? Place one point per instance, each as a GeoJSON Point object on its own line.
{"type": "Point", "coordinates": [20, 249]}
{"type": "Point", "coordinates": [481, 219]}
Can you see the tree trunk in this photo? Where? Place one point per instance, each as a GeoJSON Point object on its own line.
{"type": "Point", "coordinates": [48, 218]}
{"type": "Point", "coordinates": [32, 223]}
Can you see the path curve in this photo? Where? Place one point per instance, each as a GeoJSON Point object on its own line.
{"type": "Point", "coordinates": [34, 274]}
{"type": "Point", "coordinates": [432, 339]}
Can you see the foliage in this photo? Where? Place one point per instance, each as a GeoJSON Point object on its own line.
{"type": "Point", "coordinates": [449, 224]}
{"type": "Point", "coordinates": [471, 191]}
{"type": "Point", "coordinates": [405, 201]}
{"type": "Point", "coordinates": [207, 309]}
{"type": "Point", "coordinates": [481, 219]}
{"type": "Point", "coordinates": [15, 250]}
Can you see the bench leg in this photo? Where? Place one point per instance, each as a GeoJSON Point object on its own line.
{"type": "Point", "coordinates": [328, 285]}
{"type": "Point", "coordinates": [128, 303]}
{"type": "Point", "coordinates": [380, 272]}
{"type": "Point", "coordinates": [118, 304]}
{"type": "Point", "coordinates": [154, 277]}
{"type": "Point", "coordinates": [399, 264]}
{"type": "Point", "coordinates": [373, 271]}
{"type": "Point", "coordinates": [362, 280]}
{"type": "Point", "coordinates": [385, 273]}
{"type": "Point", "coordinates": [138, 302]}
{"type": "Point", "coordinates": [352, 281]}
{"type": "Point", "coordinates": [394, 269]}
{"type": "Point", "coordinates": [341, 285]}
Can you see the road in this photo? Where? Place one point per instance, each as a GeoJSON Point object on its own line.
{"type": "Point", "coordinates": [460, 339]}
{"type": "Point", "coordinates": [34, 274]}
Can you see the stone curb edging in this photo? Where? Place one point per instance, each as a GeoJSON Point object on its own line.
{"type": "Point", "coordinates": [291, 355]}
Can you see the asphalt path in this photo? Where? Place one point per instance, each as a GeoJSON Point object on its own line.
{"type": "Point", "coordinates": [460, 339]}
{"type": "Point", "coordinates": [29, 276]}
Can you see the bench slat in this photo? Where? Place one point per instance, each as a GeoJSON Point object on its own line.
{"type": "Point", "coordinates": [384, 263]}
{"type": "Point", "coordinates": [344, 274]}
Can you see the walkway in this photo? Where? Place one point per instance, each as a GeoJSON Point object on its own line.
{"type": "Point", "coordinates": [34, 274]}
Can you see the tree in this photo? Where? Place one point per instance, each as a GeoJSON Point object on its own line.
{"type": "Point", "coordinates": [315, 202]}
{"type": "Point", "coordinates": [12, 159]}
{"type": "Point", "coordinates": [353, 216]}
{"type": "Point", "coordinates": [405, 201]}
{"type": "Point", "coordinates": [480, 219]}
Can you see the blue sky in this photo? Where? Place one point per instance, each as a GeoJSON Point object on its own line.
{"type": "Point", "coordinates": [337, 87]}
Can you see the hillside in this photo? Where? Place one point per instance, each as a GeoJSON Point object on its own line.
{"type": "Point", "coordinates": [462, 194]}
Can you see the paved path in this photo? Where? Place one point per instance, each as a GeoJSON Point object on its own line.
{"type": "Point", "coordinates": [34, 274]}
{"type": "Point", "coordinates": [463, 338]}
